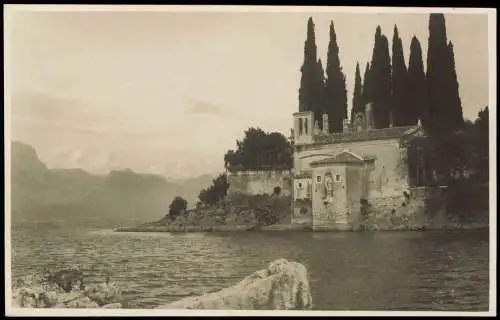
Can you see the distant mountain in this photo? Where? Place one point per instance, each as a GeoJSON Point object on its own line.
{"type": "Point", "coordinates": [75, 196]}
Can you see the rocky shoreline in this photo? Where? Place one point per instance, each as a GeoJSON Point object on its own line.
{"type": "Point", "coordinates": [180, 229]}
{"type": "Point", "coordinates": [239, 213]}
{"type": "Point", "coordinates": [294, 228]}
{"type": "Point", "coordinates": [282, 285]}
{"type": "Point", "coordinates": [65, 288]}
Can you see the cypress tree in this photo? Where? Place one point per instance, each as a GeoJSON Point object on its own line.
{"type": "Point", "coordinates": [455, 101]}
{"type": "Point", "coordinates": [380, 77]}
{"type": "Point", "coordinates": [445, 111]}
{"type": "Point", "coordinates": [335, 87]}
{"type": "Point", "coordinates": [417, 85]}
{"type": "Point", "coordinates": [366, 86]}
{"type": "Point", "coordinates": [308, 70]}
{"type": "Point", "coordinates": [357, 98]}
{"type": "Point", "coordinates": [399, 72]}
{"type": "Point", "coordinates": [319, 96]}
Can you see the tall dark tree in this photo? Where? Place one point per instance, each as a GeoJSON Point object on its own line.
{"type": "Point", "coordinates": [357, 98]}
{"type": "Point", "coordinates": [455, 101]}
{"type": "Point", "coordinates": [380, 78]}
{"type": "Point", "coordinates": [444, 104]}
{"type": "Point", "coordinates": [335, 87]}
{"type": "Point", "coordinates": [366, 86]}
{"type": "Point", "coordinates": [309, 83]}
{"type": "Point", "coordinates": [399, 82]}
{"type": "Point", "coordinates": [416, 98]}
{"type": "Point", "coordinates": [320, 98]}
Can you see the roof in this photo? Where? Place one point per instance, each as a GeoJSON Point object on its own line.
{"type": "Point", "coordinates": [344, 157]}
{"type": "Point", "coordinates": [417, 131]}
{"type": "Point", "coordinates": [303, 175]}
{"type": "Point", "coordinates": [302, 113]}
{"type": "Point", "coordinates": [366, 135]}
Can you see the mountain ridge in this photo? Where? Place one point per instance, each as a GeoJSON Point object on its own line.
{"type": "Point", "coordinates": [121, 195]}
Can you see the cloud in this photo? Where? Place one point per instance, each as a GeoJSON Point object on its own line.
{"type": "Point", "coordinates": [37, 109]}
{"type": "Point", "coordinates": [199, 107]}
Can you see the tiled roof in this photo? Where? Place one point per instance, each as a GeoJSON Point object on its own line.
{"type": "Point", "coordinates": [343, 157]}
{"type": "Point", "coordinates": [307, 174]}
{"type": "Point", "coordinates": [366, 135]}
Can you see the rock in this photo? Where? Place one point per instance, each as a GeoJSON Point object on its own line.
{"type": "Point", "coordinates": [116, 305]}
{"type": "Point", "coordinates": [53, 292]}
{"type": "Point", "coordinates": [284, 285]}
{"type": "Point", "coordinates": [103, 293]}
{"type": "Point", "coordinates": [82, 302]}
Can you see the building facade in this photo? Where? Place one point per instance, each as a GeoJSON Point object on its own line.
{"type": "Point", "coordinates": [334, 174]}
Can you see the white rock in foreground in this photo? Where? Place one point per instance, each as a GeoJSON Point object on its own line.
{"type": "Point", "coordinates": [284, 285]}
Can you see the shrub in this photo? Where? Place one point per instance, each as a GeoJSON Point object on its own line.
{"type": "Point", "coordinates": [178, 206]}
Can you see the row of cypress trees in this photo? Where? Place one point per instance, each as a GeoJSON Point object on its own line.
{"type": "Point", "coordinates": [400, 95]}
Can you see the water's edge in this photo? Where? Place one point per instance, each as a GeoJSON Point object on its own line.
{"type": "Point", "coordinates": [285, 228]}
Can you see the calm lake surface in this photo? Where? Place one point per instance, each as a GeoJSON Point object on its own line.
{"type": "Point", "coordinates": [348, 271]}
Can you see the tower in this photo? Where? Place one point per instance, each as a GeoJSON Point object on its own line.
{"type": "Point", "coordinates": [303, 127]}
{"type": "Point", "coordinates": [326, 130]}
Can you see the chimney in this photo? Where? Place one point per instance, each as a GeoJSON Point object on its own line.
{"type": "Point", "coordinates": [345, 123]}
{"type": "Point", "coordinates": [368, 116]}
{"type": "Point", "coordinates": [326, 130]}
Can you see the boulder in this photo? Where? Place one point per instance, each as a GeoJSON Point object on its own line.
{"type": "Point", "coordinates": [63, 289]}
{"type": "Point", "coordinates": [116, 305]}
{"type": "Point", "coordinates": [283, 285]}
{"type": "Point", "coordinates": [103, 293]}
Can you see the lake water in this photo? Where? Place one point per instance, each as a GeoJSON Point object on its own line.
{"type": "Point", "coordinates": [348, 271]}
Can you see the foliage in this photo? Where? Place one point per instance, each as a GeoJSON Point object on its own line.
{"type": "Point", "coordinates": [216, 192]}
{"type": "Point", "coordinates": [460, 155]}
{"type": "Point", "coordinates": [380, 77]}
{"type": "Point", "coordinates": [267, 209]}
{"type": "Point", "coordinates": [366, 91]}
{"type": "Point", "coordinates": [259, 151]}
{"type": "Point", "coordinates": [396, 92]}
{"type": "Point", "coordinates": [357, 98]}
{"type": "Point", "coordinates": [416, 95]}
{"type": "Point", "coordinates": [177, 206]}
{"type": "Point", "coordinates": [444, 101]}
{"type": "Point", "coordinates": [402, 116]}
{"type": "Point", "coordinates": [311, 86]}
{"type": "Point", "coordinates": [335, 86]}
{"type": "Point", "coordinates": [320, 106]}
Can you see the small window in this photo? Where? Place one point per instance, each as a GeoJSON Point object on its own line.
{"type": "Point", "coordinates": [300, 185]}
{"type": "Point", "coordinates": [338, 177]}
{"type": "Point", "coordinates": [318, 179]}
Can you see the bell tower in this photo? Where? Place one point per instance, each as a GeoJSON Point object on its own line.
{"type": "Point", "coordinates": [303, 127]}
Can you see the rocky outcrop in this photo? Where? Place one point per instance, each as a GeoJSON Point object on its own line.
{"type": "Point", "coordinates": [64, 289]}
{"type": "Point", "coordinates": [237, 212]}
{"type": "Point", "coordinates": [283, 285]}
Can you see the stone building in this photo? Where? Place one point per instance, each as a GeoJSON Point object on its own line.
{"type": "Point", "coordinates": [335, 173]}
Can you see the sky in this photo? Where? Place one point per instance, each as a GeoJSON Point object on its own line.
{"type": "Point", "coordinates": [170, 92]}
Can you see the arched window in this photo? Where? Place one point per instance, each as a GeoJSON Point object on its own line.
{"type": "Point", "coordinates": [305, 126]}
{"type": "Point", "coordinates": [300, 126]}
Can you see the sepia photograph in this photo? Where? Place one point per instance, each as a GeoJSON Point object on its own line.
{"type": "Point", "coordinates": [247, 160]}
